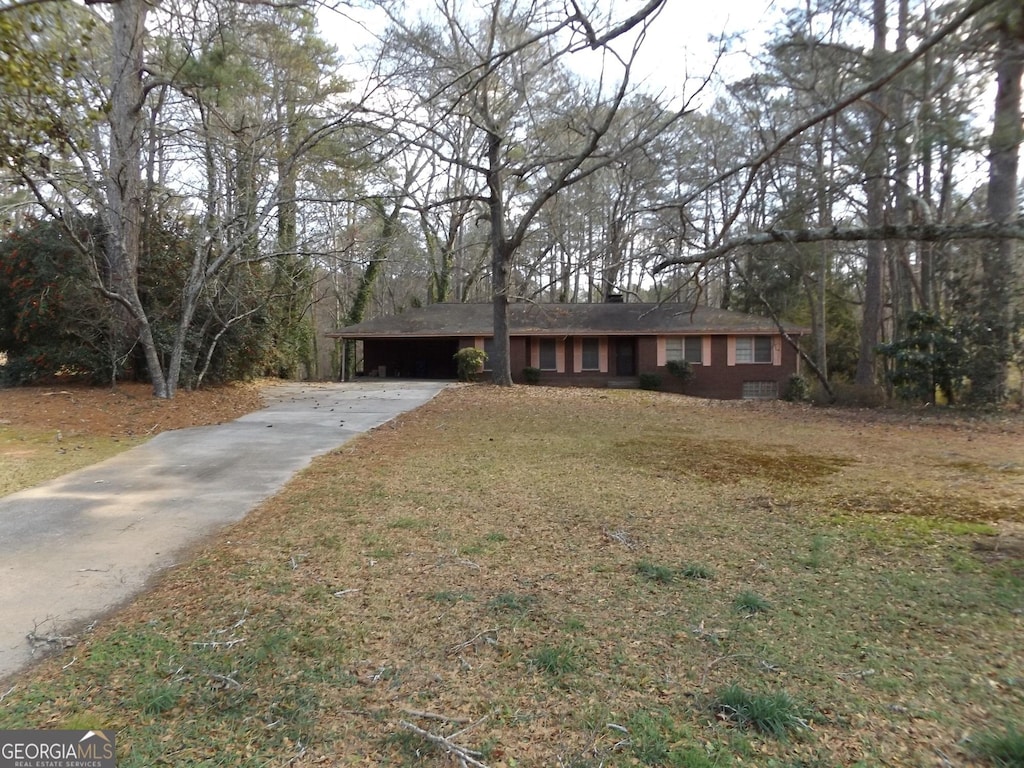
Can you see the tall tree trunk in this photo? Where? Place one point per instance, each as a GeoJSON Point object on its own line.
{"type": "Point", "coordinates": [124, 184]}
{"type": "Point", "coordinates": [875, 189]}
{"type": "Point", "coordinates": [929, 297]}
{"type": "Point", "coordinates": [902, 280]}
{"type": "Point", "coordinates": [823, 198]}
{"type": "Point", "coordinates": [998, 262]}
{"type": "Point", "coordinates": [293, 271]}
{"type": "Point", "coordinates": [500, 257]}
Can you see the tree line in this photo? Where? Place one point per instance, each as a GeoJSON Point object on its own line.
{"type": "Point", "coordinates": [197, 191]}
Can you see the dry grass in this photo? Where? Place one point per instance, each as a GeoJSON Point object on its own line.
{"type": "Point", "coordinates": [46, 432]}
{"type": "Point", "coordinates": [483, 568]}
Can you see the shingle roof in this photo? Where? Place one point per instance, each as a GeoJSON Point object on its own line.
{"type": "Point", "coordinates": [436, 320]}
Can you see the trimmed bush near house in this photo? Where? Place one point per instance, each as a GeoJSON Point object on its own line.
{"type": "Point", "coordinates": [681, 370]}
{"type": "Point", "coordinates": [469, 362]}
{"type": "Point", "coordinates": [797, 389]}
{"type": "Point", "coordinates": [650, 381]}
{"type": "Point", "coordinates": [531, 375]}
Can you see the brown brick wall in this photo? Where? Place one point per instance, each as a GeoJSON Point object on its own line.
{"type": "Point", "coordinates": [433, 359]}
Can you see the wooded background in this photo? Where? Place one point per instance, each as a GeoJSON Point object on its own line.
{"type": "Point", "coordinates": [193, 191]}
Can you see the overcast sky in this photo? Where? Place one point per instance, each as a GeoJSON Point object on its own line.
{"type": "Point", "coordinates": [677, 46]}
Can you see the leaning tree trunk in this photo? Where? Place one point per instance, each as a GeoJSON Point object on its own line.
{"type": "Point", "coordinates": [998, 262]}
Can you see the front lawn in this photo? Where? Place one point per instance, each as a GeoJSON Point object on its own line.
{"type": "Point", "coordinates": [545, 577]}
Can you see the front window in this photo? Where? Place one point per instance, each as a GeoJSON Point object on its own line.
{"type": "Point", "coordinates": [590, 356]}
{"type": "Point", "coordinates": [753, 349]}
{"type": "Point", "coordinates": [688, 348]}
{"type": "Point", "coordinates": [548, 355]}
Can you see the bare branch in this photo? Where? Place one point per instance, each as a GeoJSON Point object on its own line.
{"type": "Point", "coordinates": [920, 232]}
{"type": "Point", "coordinates": [465, 755]}
{"type": "Point", "coordinates": [754, 166]}
{"type": "Point", "coordinates": [649, 10]}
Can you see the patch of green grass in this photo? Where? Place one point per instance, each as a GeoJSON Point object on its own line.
{"type": "Point", "coordinates": [1004, 749]}
{"type": "Point", "coordinates": [157, 698]}
{"type": "Point", "coordinates": [773, 714]}
{"type": "Point", "coordinates": [696, 571]}
{"type": "Point", "coordinates": [378, 546]}
{"type": "Point", "coordinates": [408, 523]}
{"type": "Point", "coordinates": [331, 542]}
{"type": "Point", "coordinates": [963, 562]}
{"type": "Point", "coordinates": [595, 717]}
{"type": "Point", "coordinates": [556, 660]}
{"type": "Point", "coordinates": [512, 603]}
{"type": "Point", "coordinates": [649, 738]}
{"type": "Point", "coordinates": [83, 721]}
{"type": "Point", "coordinates": [655, 740]}
{"type": "Point", "coordinates": [412, 749]}
{"type": "Point", "coordinates": [1008, 593]}
{"type": "Point", "coordinates": [660, 574]}
{"type": "Point", "coordinates": [574, 624]}
{"type": "Point", "coordinates": [313, 594]}
{"type": "Point", "coordinates": [750, 603]}
{"type": "Point", "coordinates": [32, 456]}
{"type": "Point", "coordinates": [818, 557]}
{"type": "Point", "coordinates": [483, 545]}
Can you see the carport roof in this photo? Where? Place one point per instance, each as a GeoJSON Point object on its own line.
{"type": "Point", "coordinates": [625, 319]}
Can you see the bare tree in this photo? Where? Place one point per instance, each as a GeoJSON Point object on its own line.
{"type": "Point", "coordinates": [539, 128]}
{"type": "Point", "coordinates": [897, 217]}
{"type": "Point", "coordinates": [246, 98]}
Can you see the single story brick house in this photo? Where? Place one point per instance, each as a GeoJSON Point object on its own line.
{"type": "Point", "coordinates": [733, 355]}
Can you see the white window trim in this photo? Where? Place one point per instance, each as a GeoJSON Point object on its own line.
{"type": "Point", "coordinates": [776, 346]}
{"type": "Point", "coordinates": [705, 352]}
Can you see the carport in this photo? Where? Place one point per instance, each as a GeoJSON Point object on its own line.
{"type": "Point", "coordinates": [409, 358]}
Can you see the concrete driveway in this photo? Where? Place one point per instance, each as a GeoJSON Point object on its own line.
{"type": "Point", "coordinates": [74, 548]}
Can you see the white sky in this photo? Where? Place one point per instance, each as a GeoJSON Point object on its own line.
{"type": "Point", "coordinates": [679, 43]}
{"type": "Point", "coordinates": [677, 47]}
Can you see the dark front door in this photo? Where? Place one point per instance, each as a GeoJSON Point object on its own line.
{"type": "Point", "coordinates": [625, 357]}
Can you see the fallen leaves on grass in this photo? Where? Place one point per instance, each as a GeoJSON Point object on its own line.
{"type": "Point", "coordinates": [477, 560]}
